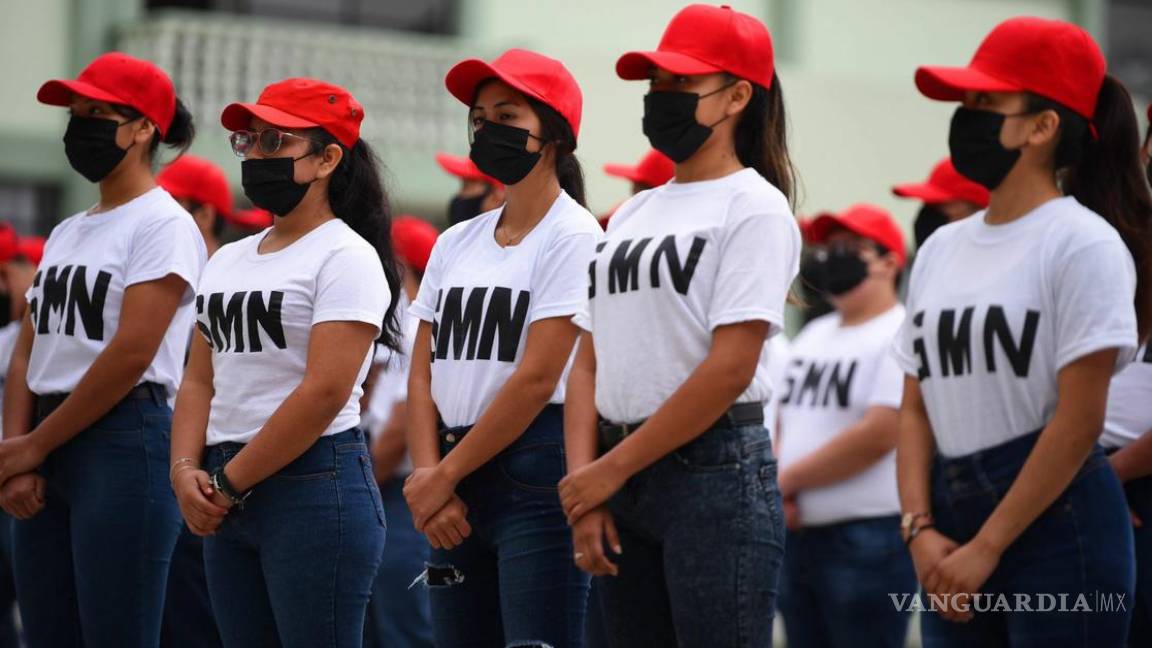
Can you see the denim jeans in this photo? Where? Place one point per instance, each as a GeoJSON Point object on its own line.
{"type": "Point", "coordinates": [92, 566]}
{"type": "Point", "coordinates": [1080, 545]}
{"type": "Point", "coordinates": [703, 539]}
{"type": "Point", "coordinates": [9, 634]}
{"type": "Point", "coordinates": [188, 619]}
{"type": "Point", "coordinates": [836, 581]}
{"type": "Point", "coordinates": [513, 581]}
{"type": "Point", "coordinates": [398, 614]}
{"type": "Point", "coordinates": [295, 566]}
{"type": "Point", "coordinates": [1139, 495]}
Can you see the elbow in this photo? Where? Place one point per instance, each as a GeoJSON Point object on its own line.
{"type": "Point", "coordinates": [327, 396]}
{"type": "Point", "coordinates": [735, 379]}
{"type": "Point", "coordinates": [537, 386]}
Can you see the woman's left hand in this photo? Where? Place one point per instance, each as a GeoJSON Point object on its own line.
{"type": "Point", "coordinates": [961, 574]}
{"type": "Point", "coordinates": [427, 490]}
{"type": "Point", "coordinates": [588, 487]}
{"type": "Point", "coordinates": [19, 455]}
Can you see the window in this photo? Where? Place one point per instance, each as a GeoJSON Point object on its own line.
{"type": "Point", "coordinates": [425, 16]}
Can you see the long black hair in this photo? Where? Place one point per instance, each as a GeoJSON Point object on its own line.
{"type": "Point", "coordinates": [180, 134]}
{"type": "Point", "coordinates": [556, 130]}
{"type": "Point", "coordinates": [1104, 174]}
{"type": "Point", "coordinates": [762, 138]}
{"type": "Point", "coordinates": [356, 195]}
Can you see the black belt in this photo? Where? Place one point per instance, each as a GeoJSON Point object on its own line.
{"type": "Point", "coordinates": [612, 434]}
{"type": "Point", "coordinates": [155, 392]}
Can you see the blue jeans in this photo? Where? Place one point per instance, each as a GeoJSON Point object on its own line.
{"type": "Point", "coordinates": [1082, 544]}
{"type": "Point", "coordinates": [295, 566]}
{"type": "Point", "coordinates": [398, 614]}
{"type": "Point", "coordinates": [93, 564]}
{"type": "Point", "coordinates": [188, 620]}
{"type": "Point", "coordinates": [703, 540]}
{"type": "Point", "coordinates": [9, 635]}
{"type": "Point", "coordinates": [836, 581]}
{"type": "Point", "coordinates": [513, 581]}
{"type": "Point", "coordinates": [1139, 495]}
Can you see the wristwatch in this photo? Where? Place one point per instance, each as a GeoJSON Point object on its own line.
{"type": "Point", "coordinates": [909, 527]}
{"type": "Point", "coordinates": [220, 482]}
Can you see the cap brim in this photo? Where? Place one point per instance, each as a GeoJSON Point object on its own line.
{"type": "Point", "coordinates": [466, 75]}
{"type": "Point", "coordinates": [950, 83]}
{"type": "Point", "coordinates": [238, 116]}
{"type": "Point", "coordinates": [462, 168]}
{"type": "Point", "coordinates": [626, 171]}
{"type": "Point", "coordinates": [634, 66]}
{"type": "Point", "coordinates": [823, 225]}
{"type": "Point", "coordinates": [922, 191]}
{"type": "Point", "coordinates": [250, 220]}
{"type": "Point", "coordinates": [59, 92]}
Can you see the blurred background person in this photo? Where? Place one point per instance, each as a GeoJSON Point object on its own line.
{"type": "Point", "coordinates": [947, 197]}
{"type": "Point", "coordinates": [653, 170]}
{"type": "Point", "coordinates": [479, 192]}
{"type": "Point", "coordinates": [200, 187]}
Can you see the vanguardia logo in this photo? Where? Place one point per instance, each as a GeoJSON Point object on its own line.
{"type": "Point", "coordinates": [1017, 602]}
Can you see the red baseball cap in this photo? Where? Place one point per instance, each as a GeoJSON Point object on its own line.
{"type": "Point", "coordinates": [1050, 58]}
{"type": "Point", "coordinates": [464, 168]}
{"type": "Point", "coordinates": [704, 39]}
{"type": "Point", "coordinates": [251, 219]}
{"type": "Point", "coordinates": [9, 245]}
{"type": "Point", "coordinates": [869, 221]}
{"type": "Point", "coordinates": [944, 185]}
{"type": "Point", "coordinates": [118, 78]}
{"type": "Point", "coordinates": [31, 248]}
{"type": "Point", "coordinates": [301, 103]}
{"type": "Point", "coordinates": [195, 178]}
{"type": "Point", "coordinates": [413, 239]}
{"type": "Point", "coordinates": [542, 78]}
{"type": "Point", "coordinates": [654, 169]}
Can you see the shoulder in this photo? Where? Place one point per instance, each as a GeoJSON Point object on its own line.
{"type": "Point", "coordinates": [1075, 227]}
{"type": "Point", "coordinates": [572, 219]}
{"type": "Point", "coordinates": [818, 328]}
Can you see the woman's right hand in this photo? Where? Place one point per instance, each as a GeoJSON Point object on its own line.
{"type": "Point", "coordinates": [23, 496]}
{"type": "Point", "coordinates": [448, 527]}
{"type": "Point", "coordinates": [193, 492]}
{"type": "Point", "coordinates": [928, 548]}
{"type": "Point", "coordinates": [589, 535]}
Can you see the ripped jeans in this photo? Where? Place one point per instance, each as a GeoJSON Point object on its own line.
{"type": "Point", "coordinates": [513, 581]}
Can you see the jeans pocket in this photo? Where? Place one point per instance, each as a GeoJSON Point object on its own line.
{"type": "Point", "coordinates": [536, 468]}
{"type": "Point", "coordinates": [709, 455]}
{"type": "Point", "coordinates": [373, 488]}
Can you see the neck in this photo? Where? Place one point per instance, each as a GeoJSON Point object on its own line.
{"type": "Point", "coordinates": [866, 309]}
{"type": "Point", "coordinates": [126, 182]}
{"type": "Point", "coordinates": [715, 159]}
{"type": "Point", "coordinates": [17, 307]}
{"type": "Point", "coordinates": [411, 285]}
{"type": "Point", "coordinates": [211, 244]}
{"type": "Point", "coordinates": [312, 212]}
{"type": "Point", "coordinates": [527, 201]}
{"type": "Point", "coordinates": [1023, 190]}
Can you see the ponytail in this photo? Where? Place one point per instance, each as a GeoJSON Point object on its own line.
{"type": "Point", "coordinates": [557, 131]}
{"type": "Point", "coordinates": [181, 131]}
{"type": "Point", "coordinates": [762, 138]}
{"type": "Point", "coordinates": [357, 197]}
{"type": "Point", "coordinates": [1104, 175]}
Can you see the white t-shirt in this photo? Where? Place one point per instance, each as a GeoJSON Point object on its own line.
{"type": "Point", "coordinates": [257, 312]}
{"type": "Point", "coordinates": [1129, 414]}
{"type": "Point", "coordinates": [391, 386]}
{"type": "Point", "coordinates": [677, 262]}
{"type": "Point", "coordinates": [481, 298]}
{"type": "Point", "coordinates": [776, 352]}
{"type": "Point", "coordinates": [995, 311]}
{"type": "Point", "coordinates": [89, 261]}
{"type": "Point", "coordinates": [8, 336]}
{"type": "Point", "coordinates": [835, 374]}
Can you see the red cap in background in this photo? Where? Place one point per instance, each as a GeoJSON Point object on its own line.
{"type": "Point", "coordinates": [944, 185]}
{"type": "Point", "coordinates": [413, 239]}
{"type": "Point", "coordinates": [194, 178]}
{"type": "Point", "coordinates": [705, 39]}
{"type": "Point", "coordinates": [118, 78]}
{"type": "Point", "coordinates": [9, 242]}
{"type": "Point", "coordinates": [254, 219]}
{"type": "Point", "coordinates": [31, 248]}
{"type": "Point", "coordinates": [537, 76]}
{"type": "Point", "coordinates": [869, 221]}
{"type": "Point", "coordinates": [464, 168]}
{"type": "Point", "coordinates": [1050, 58]}
{"type": "Point", "coordinates": [301, 103]}
{"type": "Point", "coordinates": [653, 170]}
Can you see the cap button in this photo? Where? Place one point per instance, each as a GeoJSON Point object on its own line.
{"type": "Point", "coordinates": [331, 99]}
{"type": "Point", "coordinates": [729, 7]}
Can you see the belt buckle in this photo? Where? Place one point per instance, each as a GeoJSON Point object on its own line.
{"type": "Point", "coordinates": [625, 430]}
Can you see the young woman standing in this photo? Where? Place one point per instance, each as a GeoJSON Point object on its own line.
{"type": "Point", "coordinates": [485, 421]}
{"type": "Point", "coordinates": [692, 278]}
{"type": "Point", "coordinates": [1017, 318]}
{"type": "Point", "coordinates": [84, 460]}
{"type": "Point", "coordinates": [270, 403]}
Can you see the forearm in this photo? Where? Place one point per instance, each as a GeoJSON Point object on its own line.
{"type": "Point", "coordinates": [19, 401]}
{"type": "Point", "coordinates": [854, 450]}
{"type": "Point", "coordinates": [915, 452]}
{"type": "Point", "coordinates": [423, 435]}
{"type": "Point", "coordinates": [580, 418]}
{"type": "Point", "coordinates": [1130, 462]}
{"type": "Point", "coordinates": [190, 421]}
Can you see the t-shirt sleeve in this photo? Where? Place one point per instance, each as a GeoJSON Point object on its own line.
{"type": "Point", "coordinates": [759, 258]}
{"type": "Point", "coordinates": [888, 383]}
{"type": "Point", "coordinates": [1094, 290]}
{"type": "Point", "coordinates": [351, 287]}
{"type": "Point", "coordinates": [424, 306]}
{"type": "Point", "coordinates": [560, 280]}
{"type": "Point", "coordinates": [902, 350]}
{"type": "Point", "coordinates": [166, 245]}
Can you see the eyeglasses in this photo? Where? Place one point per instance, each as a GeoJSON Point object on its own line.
{"type": "Point", "coordinates": [267, 141]}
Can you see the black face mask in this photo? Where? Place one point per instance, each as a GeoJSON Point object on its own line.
{"type": "Point", "coordinates": [501, 151]}
{"type": "Point", "coordinates": [1148, 172]}
{"type": "Point", "coordinates": [90, 144]}
{"type": "Point", "coordinates": [977, 153]}
{"type": "Point", "coordinates": [270, 184]}
{"type": "Point", "coordinates": [814, 272]}
{"type": "Point", "coordinates": [462, 209]}
{"type": "Point", "coordinates": [670, 123]}
{"type": "Point", "coordinates": [928, 220]}
{"type": "Point", "coordinates": [844, 270]}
